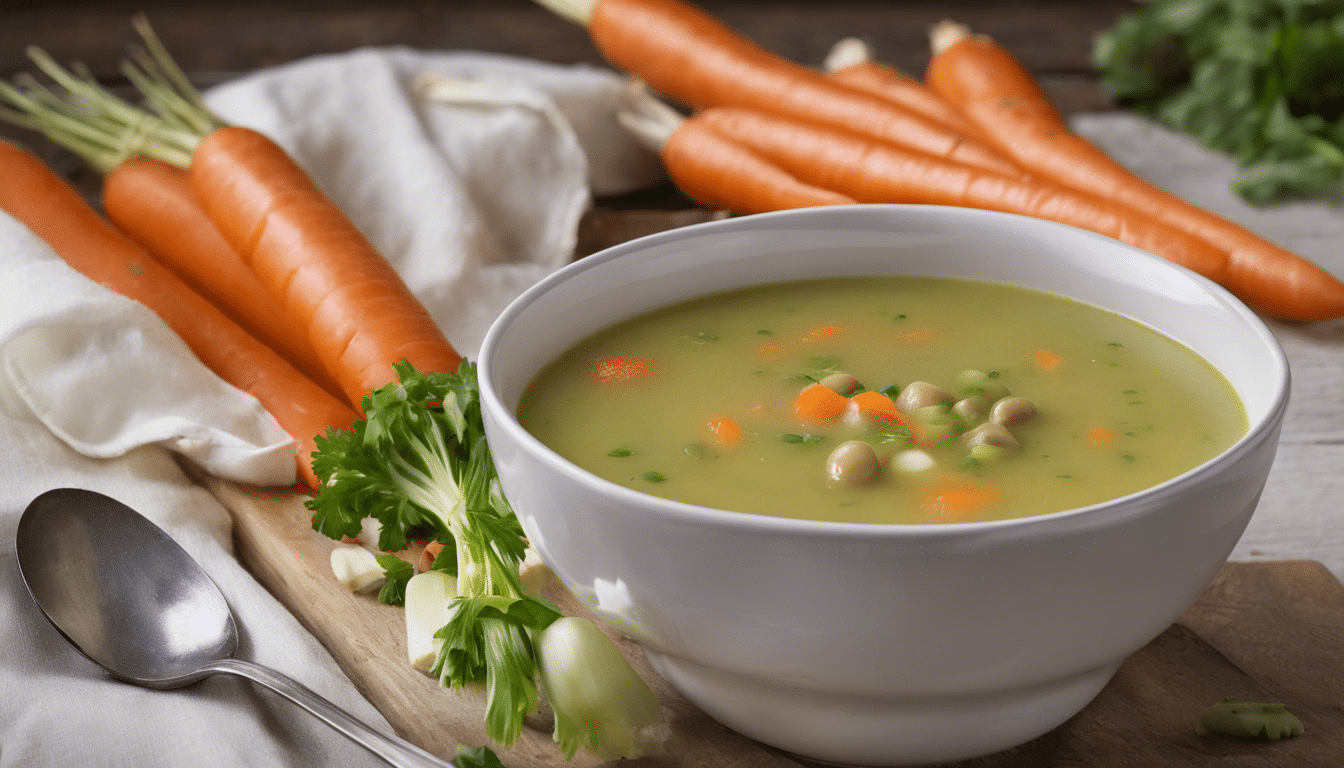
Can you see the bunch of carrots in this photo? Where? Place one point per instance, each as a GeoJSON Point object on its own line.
{"type": "Point", "coordinates": [219, 232]}
{"type": "Point", "coordinates": [767, 133]}
{"type": "Point", "coordinates": [216, 229]}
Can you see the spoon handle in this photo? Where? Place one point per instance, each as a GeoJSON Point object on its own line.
{"type": "Point", "coordinates": [393, 750]}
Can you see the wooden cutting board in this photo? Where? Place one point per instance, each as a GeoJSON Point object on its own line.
{"type": "Point", "coordinates": [1263, 631]}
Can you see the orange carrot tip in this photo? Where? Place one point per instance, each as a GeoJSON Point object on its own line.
{"type": "Point", "coordinates": [851, 63]}
{"type": "Point", "coordinates": [823, 332]}
{"type": "Point", "coordinates": [724, 430]}
{"type": "Point", "coordinates": [427, 555]}
{"type": "Point", "coordinates": [613, 370]}
{"type": "Point", "coordinates": [1046, 360]}
{"type": "Point", "coordinates": [947, 33]}
{"type": "Point", "coordinates": [818, 404]}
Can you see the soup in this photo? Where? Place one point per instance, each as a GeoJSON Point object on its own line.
{"type": "Point", "coordinates": [883, 400]}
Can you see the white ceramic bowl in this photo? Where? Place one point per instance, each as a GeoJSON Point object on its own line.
{"type": "Point", "coordinates": [883, 644]}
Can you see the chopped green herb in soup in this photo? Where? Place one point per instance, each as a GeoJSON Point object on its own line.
{"type": "Point", "coordinates": [884, 400]}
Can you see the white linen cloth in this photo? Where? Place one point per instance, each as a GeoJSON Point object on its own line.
{"type": "Point", "coordinates": [471, 202]}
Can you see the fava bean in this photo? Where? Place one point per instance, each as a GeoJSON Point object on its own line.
{"type": "Point", "coordinates": [1012, 410]}
{"type": "Point", "coordinates": [921, 394]}
{"type": "Point", "coordinates": [992, 391]}
{"type": "Point", "coordinates": [971, 378]}
{"type": "Point", "coordinates": [852, 463]}
{"type": "Point", "coordinates": [990, 433]}
{"type": "Point", "coordinates": [972, 409]}
{"type": "Point", "coordinates": [841, 384]}
{"type": "Point", "coordinates": [933, 414]}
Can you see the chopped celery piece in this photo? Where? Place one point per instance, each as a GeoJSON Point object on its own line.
{"type": "Point", "coordinates": [932, 414]}
{"type": "Point", "coordinates": [1249, 720]}
{"type": "Point", "coordinates": [599, 701]}
{"type": "Point", "coordinates": [988, 453]}
{"type": "Point", "coordinates": [356, 568]}
{"type": "Point", "coordinates": [971, 378]}
{"type": "Point", "coordinates": [429, 605]}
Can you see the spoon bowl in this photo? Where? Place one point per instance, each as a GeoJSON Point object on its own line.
{"type": "Point", "coordinates": [129, 598]}
{"type": "Point", "coordinates": [121, 591]}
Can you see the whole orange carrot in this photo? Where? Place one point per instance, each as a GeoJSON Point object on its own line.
{"type": "Point", "coordinates": [872, 172]}
{"type": "Point", "coordinates": [152, 202]}
{"type": "Point", "coordinates": [851, 62]}
{"type": "Point", "coordinates": [361, 318]}
{"type": "Point", "coordinates": [714, 170]}
{"type": "Point", "coordinates": [991, 87]}
{"type": "Point", "coordinates": [56, 212]}
{"type": "Point", "coordinates": [689, 56]}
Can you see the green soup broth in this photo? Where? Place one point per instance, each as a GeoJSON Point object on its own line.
{"type": "Point", "coordinates": [1119, 406]}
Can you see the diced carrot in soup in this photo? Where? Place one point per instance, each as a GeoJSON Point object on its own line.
{"type": "Point", "coordinates": [724, 430]}
{"type": "Point", "coordinates": [818, 404]}
{"type": "Point", "coordinates": [612, 370]}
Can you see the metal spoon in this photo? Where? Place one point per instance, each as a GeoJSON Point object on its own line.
{"type": "Point", "coordinates": [129, 598]}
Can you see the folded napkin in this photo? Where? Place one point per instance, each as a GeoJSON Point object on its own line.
{"type": "Point", "coordinates": [472, 197]}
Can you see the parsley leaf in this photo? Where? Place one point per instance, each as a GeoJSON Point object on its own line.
{"type": "Point", "coordinates": [396, 572]}
{"type": "Point", "coordinates": [477, 757]}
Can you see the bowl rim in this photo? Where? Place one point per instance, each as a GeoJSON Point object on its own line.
{"type": "Point", "coordinates": [1111, 511]}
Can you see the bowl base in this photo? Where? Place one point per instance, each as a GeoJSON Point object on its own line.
{"type": "Point", "coordinates": [848, 730]}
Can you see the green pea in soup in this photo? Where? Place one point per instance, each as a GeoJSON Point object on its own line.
{"type": "Point", "coordinates": [884, 400]}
